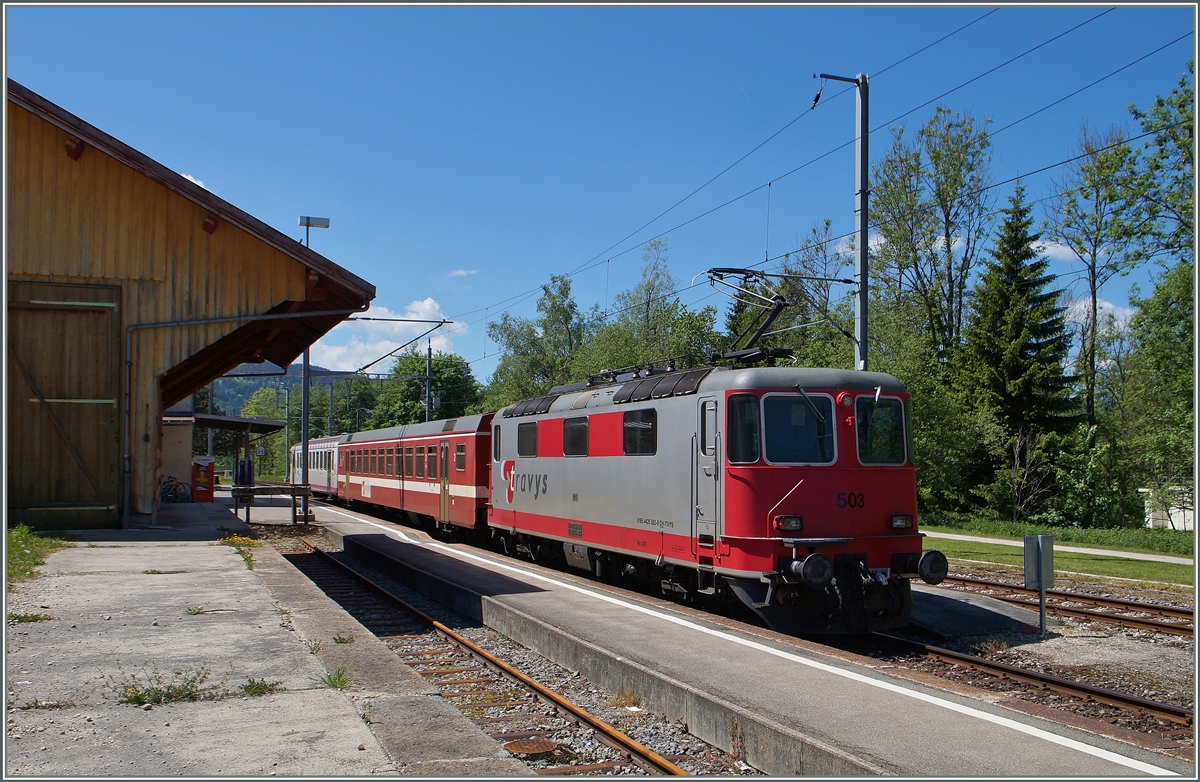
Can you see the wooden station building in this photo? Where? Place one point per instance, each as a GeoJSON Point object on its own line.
{"type": "Point", "coordinates": [129, 287]}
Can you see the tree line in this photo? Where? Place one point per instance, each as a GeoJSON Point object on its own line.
{"type": "Point", "coordinates": [1031, 400]}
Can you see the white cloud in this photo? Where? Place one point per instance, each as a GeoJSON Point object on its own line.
{"type": "Point", "coordinates": [353, 344]}
{"type": "Point", "coordinates": [191, 178]}
{"type": "Point", "coordinates": [1057, 252]}
{"type": "Point", "coordinates": [1079, 310]}
{"type": "Point", "coordinates": [462, 272]}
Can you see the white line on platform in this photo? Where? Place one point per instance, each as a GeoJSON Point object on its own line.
{"type": "Point", "coordinates": [1079, 746]}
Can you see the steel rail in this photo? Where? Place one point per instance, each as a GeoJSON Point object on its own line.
{"type": "Point", "coordinates": [613, 735]}
{"type": "Point", "coordinates": [1084, 613]}
{"type": "Point", "coordinates": [1087, 692]}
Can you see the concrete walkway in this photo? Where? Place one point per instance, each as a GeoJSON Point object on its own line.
{"type": "Point", "coordinates": [1098, 552]}
{"type": "Point", "coordinates": [135, 609]}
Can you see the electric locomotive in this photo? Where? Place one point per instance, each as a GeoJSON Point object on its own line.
{"type": "Point", "coordinates": [791, 490]}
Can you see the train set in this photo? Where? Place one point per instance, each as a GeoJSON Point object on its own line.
{"type": "Point", "coordinates": [790, 490]}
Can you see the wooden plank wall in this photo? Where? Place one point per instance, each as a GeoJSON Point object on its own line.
{"type": "Point", "coordinates": [95, 220]}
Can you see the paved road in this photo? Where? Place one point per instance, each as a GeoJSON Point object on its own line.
{"type": "Point", "coordinates": [1073, 549]}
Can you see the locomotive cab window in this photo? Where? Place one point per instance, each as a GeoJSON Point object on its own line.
{"type": "Point", "coordinates": [742, 429]}
{"type": "Point", "coordinates": [798, 428]}
{"type": "Point", "coordinates": [575, 436]}
{"type": "Point", "coordinates": [641, 432]}
{"type": "Point", "coordinates": [881, 436]}
{"type": "Point", "coordinates": [460, 457]}
{"type": "Point", "coordinates": [527, 439]}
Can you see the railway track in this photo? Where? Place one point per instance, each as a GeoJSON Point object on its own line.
{"type": "Point", "coordinates": [1176, 621]}
{"type": "Point", "coordinates": [1086, 692]}
{"type": "Point", "coordinates": [526, 717]}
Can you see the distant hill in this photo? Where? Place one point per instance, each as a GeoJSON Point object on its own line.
{"type": "Point", "coordinates": [232, 391]}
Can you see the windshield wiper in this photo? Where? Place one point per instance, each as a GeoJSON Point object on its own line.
{"type": "Point", "coordinates": [820, 420]}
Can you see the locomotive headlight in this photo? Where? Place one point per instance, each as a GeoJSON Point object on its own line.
{"type": "Point", "coordinates": [902, 522]}
{"type": "Point", "coordinates": [845, 400]}
{"type": "Point", "coordinates": [789, 523]}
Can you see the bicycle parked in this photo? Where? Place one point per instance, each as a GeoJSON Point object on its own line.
{"type": "Point", "coordinates": [175, 490]}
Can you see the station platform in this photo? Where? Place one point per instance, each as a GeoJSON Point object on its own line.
{"type": "Point", "coordinates": [790, 706]}
{"type": "Point", "coordinates": [130, 608]}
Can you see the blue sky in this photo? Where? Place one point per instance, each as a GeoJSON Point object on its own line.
{"type": "Point", "coordinates": [463, 155]}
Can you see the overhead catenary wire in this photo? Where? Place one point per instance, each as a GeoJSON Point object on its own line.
{"type": "Point", "coordinates": [518, 298]}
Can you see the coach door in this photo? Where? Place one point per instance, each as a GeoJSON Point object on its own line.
{"type": "Point", "coordinates": [444, 474]}
{"type": "Point", "coordinates": [706, 508]}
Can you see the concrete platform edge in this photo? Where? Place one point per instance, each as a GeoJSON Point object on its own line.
{"type": "Point", "coordinates": [764, 744]}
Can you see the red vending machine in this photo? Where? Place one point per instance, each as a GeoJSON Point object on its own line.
{"type": "Point", "coordinates": [202, 478]}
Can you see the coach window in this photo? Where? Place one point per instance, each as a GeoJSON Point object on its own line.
{"type": "Point", "coordinates": [460, 457]}
{"type": "Point", "coordinates": [420, 462]}
{"type": "Point", "coordinates": [527, 439]}
{"type": "Point", "coordinates": [798, 428]}
{"type": "Point", "coordinates": [641, 432]}
{"type": "Point", "coordinates": [742, 429]}
{"type": "Point", "coordinates": [496, 443]}
{"type": "Point", "coordinates": [575, 436]}
{"type": "Point", "coordinates": [431, 471]}
{"type": "Point", "coordinates": [408, 461]}
{"type": "Point", "coordinates": [880, 430]}
{"type": "Point", "coordinates": [391, 461]}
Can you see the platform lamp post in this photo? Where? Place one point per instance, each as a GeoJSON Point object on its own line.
{"type": "Point", "coordinates": [308, 223]}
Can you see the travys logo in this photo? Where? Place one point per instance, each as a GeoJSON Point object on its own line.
{"type": "Point", "coordinates": [522, 481]}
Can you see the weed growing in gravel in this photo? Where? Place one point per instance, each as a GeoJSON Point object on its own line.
{"type": "Point", "coordinates": [184, 685]}
{"type": "Point", "coordinates": [313, 644]}
{"type": "Point", "coordinates": [628, 697]}
{"type": "Point", "coordinates": [338, 679]}
{"type": "Point", "coordinates": [242, 545]}
{"type": "Point", "coordinates": [22, 618]}
{"type": "Point", "coordinates": [26, 549]}
{"type": "Point", "coordinates": [367, 712]}
{"type": "Point", "coordinates": [343, 639]}
{"type": "Point", "coordinates": [260, 687]}
{"type": "Point", "coordinates": [40, 704]}
{"type": "Point", "coordinates": [151, 572]}
{"type": "Point", "coordinates": [194, 610]}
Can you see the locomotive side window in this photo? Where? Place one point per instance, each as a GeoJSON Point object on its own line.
{"type": "Point", "coordinates": [575, 436]}
{"type": "Point", "coordinates": [420, 463]}
{"type": "Point", "coordinates": [496, 443]}
{"type": "Point", "coordinates": [799, 428]}
{"type": "Point", "coordinates": [408, 461]}
{"type": "Point", "coordinates": [641, 432]}
{"type": "Point", "coordinates": [431, 471]}
{"type": "Point", "coordinates": [527, 439]}
{"type": "Point", "coordinates": [460, 457]}
{"type": "Point", "coordinates": [742, 429]}
{"type": "Point", "coordinates": [708, 429]}
{"type": "Point", "coordinates": [880, 430]}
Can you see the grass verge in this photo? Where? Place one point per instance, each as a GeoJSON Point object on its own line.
{"type": "Point", "coordinates": [27, 549]}
{"type": "Point", "coordinates": [1178, 543]}
{"type": "Point", "coordinates": [1092, 564]}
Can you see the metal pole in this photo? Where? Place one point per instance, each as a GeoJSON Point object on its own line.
{"type": "Point", "coordinates": [304, 435]}
{"type": "Point", "coordinates": [860, 275]}
{"type": "Point", "coordinates": [210, 431]}
{"type": "Point", "coordinates": [429, 382]}
{"type": "Point", "coordinates": [1041, 586]}
{"type": "Point", "coordinates": [287, 429]}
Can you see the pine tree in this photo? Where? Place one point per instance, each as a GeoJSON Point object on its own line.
{"type": "Point", "coordinates": [1017, 340]}
{"type": "Point", "coordinates": [1015, 347]}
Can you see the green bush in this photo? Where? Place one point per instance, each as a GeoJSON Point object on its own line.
{"type": "Point", "coordinates": [1179, 543]}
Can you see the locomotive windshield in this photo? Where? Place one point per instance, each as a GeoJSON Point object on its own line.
{"type": "Point", "coordinates": [798, 429]}
{"type": "Point", "coordinates": [880, 430]}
